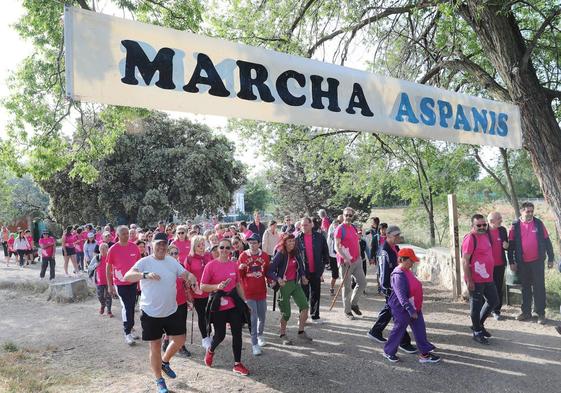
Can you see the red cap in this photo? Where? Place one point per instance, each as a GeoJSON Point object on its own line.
{"type": "Point", "coordinates": [408, 253]}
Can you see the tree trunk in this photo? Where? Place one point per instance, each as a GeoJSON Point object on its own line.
{"type": "Point", "coordinates": [513, 195]}
{"type": "Point", "coordinates": [505, 47]}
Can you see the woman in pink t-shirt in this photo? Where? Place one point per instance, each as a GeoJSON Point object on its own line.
{"type": "Point", "coordinates": [69, 250]}
{"type": "Point", "coordinates": [182, 243]}
{"type": "Point", "coordinates": [220, 277]}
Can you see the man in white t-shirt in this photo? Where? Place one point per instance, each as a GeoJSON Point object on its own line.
{"type": "Point", "coordinates": [157, 274]}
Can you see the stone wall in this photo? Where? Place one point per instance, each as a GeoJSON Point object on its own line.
{"type": "Point", "coordinates": [437, 267]}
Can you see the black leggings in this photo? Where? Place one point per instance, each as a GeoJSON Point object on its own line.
{"type": "Point", "coordinates": [200, 306]}
{"type": "Point", "coordinates": [21, 254]}
{"type": "Point", "coordinates": [219, 320]}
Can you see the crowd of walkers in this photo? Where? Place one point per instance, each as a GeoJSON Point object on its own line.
{"type": "Point", "coordinates": [224, 272]}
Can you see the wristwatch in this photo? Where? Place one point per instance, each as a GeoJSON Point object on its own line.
{"type": "Point", "coordinates": [144, 274]}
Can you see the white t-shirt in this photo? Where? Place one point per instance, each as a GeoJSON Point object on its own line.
{"type": "Point", "coordinates": [158, 297]}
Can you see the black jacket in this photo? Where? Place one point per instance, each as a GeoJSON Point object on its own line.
{"type": "Point", "coordinates": [277, 268]}
{"type": "Point", "coordinates": [387, 261]}
{"type": "Point", "coordinates": [259, 229]}
{"type": "Point", "coordinates": [320, 250]}
{"type": "Point", "coordinates": [515, 247]}
{"type": "Point", "coordinates": [214, 304]}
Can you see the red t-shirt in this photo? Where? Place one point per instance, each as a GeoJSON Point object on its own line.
{"type": "Point", "coordinates": [253, 276]}
{"type": "Point", "coordinates": [291, 269]}
{"type": "Point", "coordinates": [497, 245]}
{"type": "Point", "coordinates": [350, 242]}
{"type": "Point", "coordinates": [122, 258]}
{"type": "Point", "coordinates": [215, 272]}
{"type": "Point", "coordinates": [195, 265]}
{"type": "Point", "coordinates": [309, 252]}
{"type": "Point", "coordinates": [482, 262]}
{"type": "Point", "coordinates": [529, 239]}
{"type": "Point", "coordinates": [50, 250]}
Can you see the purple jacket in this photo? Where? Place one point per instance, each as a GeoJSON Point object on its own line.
{"type": "Point", "coordinates": [399, 298]}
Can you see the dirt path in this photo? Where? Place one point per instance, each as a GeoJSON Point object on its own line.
{"type": "Point", "coordinates": [85, 352]}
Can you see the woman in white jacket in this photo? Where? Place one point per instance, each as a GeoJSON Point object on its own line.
{"type": "Point", "coordinates": [270, 239]}
{"type": "Point", "coordinates": [21, 245]}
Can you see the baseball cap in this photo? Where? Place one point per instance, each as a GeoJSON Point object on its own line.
{"type": "Point", "coordinates": [160, 237]}
{"type": "Point", "coordinates": [393, 230]}
{"type": "Point", "coordinates": [254, 236]}
{"type": "Point", "coordinates": [408, 253]}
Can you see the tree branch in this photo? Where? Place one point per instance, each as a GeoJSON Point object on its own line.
{"type": "Point", "coordinates": [552, 94]}
{"type": "Point", "coordinates": [84, 5]}
{"type": "Point", "coordinates": [547, 21]}
{"type": "Point", "coordinates": [485, 80]}
{"type": "Point", "coordinates": [490, 172]}
{"type": "Point", "coordinates": [299, 17]}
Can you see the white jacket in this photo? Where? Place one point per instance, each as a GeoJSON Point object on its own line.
{"type": "Point", "coordinates": [270, 241]}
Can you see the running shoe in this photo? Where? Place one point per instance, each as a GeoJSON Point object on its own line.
{"type": "Point", "coordinates": [429, 358]}
{"type": "Point", "coordinates": [497, 316]}
{"type": "Point", "coordinates": [350, 316]}
{"type": "Point", "coordinates": [261, 341]}
{"type": "Point", "coordinates": [134, 335]}
{"type": "Point", "coordinates": [376, 337]}
{"type": "Point", "coordinates": [167, 369]}
{"type": "Point", "coordinates": [129, 340]}
{"type": "Point", "coordinates": [356, 310]}
{"type": "Point", "coordinates": [391, 358]}
{"type": "Point", "coordinates": [161, 384]}
{"type": "Point", "coordinates": [240, 369]}
{"type": "Point", "coordinates": [209, 356]}
{"type": "Point", "coordinates": [486, 333]}
{"type": "Point", "coordinates": [409, 348]}
{"type": "Point", "coordinates": [207, 342]}
{"type": "Point", "coordinates": [523, 317]}
{"type": "Point", "coordinates": [541, 319]}
{"type": "Point", "coordinates": [480, 338]}
{"type": "Point", "coordinates": [256, 349]}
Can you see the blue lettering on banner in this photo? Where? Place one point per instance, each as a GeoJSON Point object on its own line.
{"type": "Point", "coordinates": [460, 117]}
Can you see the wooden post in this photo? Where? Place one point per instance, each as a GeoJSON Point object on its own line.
{"type": "Point", "coordinates": [455, 244]}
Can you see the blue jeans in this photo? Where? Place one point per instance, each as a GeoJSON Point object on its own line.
{"type": "Point", "coordinates": [482, 300]}
{"type": "Point", "coordinates": [258, 311]}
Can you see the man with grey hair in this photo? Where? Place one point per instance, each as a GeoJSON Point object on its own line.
{"type": "Point", "coordinates": [120, 259]}
{"type": "Point", "coordinates": [499, 244]}
{"type": "Point", "coordinates": [350, 263]}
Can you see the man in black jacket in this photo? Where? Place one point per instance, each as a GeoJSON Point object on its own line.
{"type": "Point", "coordinates": [528, 245]}
{"type": "Point", "coordinates": [313, 248]}
{"type": "Point", "coordinates": [257, 226]}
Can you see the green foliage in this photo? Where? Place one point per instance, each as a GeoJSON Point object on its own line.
{"type": "Point", "coordinates": [257, 195]}
{"type": "Point", "coordinates": [21, 197]}
{"type": "Point", "coordinates": [158, 167]}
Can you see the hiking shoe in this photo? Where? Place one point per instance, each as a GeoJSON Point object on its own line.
{"type": "Point", "coordinates": [356, 310]}
{"type": "Point", "coordinates": [256, 349]}
{"type": "Point", "coordinates": [429, 358]}
{"type": "Point", "coordinates": [409, 348]}
{"type": "Point", "coordinates": [167, 369]}
{"type": "Point", "coordinates": [240, 369]}
{"type": "Point", "coordinates": [523, 317]}
{"type": "Point", "coordinates": [161, 384]}
{"type": "Point", "coordinates": [209, 356]}
{"type": "Point", "coordinates": [261, 341]}
{"type": "Point", "coordinates": [286, 340]}
{"type": "Point", "coordinates": [304, 337]}
{"type": "Point", "coordinates": [497, 316]}
{"type": "Point", "coordinates": [184, 352]}
{"type": "Point", "coordinates": [129, 340]}
{"type": "Point", "coordinates": [541, 319]}
{"type": "Point", "coordinates": [376, 337]}
{"type": "Point", "coordinates": [101, 310]}
{"type": "Point", "coordinates": [350, 316]}
{"type": "Point", "coordinates": [391, 358]}
{"type": "Point", "coordinates": [480, 338]}
{"type": "Point", "coordinates": [558, 329]}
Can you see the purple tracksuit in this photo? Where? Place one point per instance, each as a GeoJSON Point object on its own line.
{"type": "Point", "coordinates": [402, 310]}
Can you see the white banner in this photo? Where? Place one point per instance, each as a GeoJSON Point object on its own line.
{"type": "Point", "coordinates": [122, 62]}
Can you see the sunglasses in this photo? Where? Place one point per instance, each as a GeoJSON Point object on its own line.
{"type": "Point", "coordinates": [225, 247]}
{"type": "Point", "coordinates": [181, 233]}
{"type": "Point", "coordinates": [173, 253]}
{"type": "Point", "coordinates": [349, 215]}
{"type": "Point", "coordinates": [481, 225]}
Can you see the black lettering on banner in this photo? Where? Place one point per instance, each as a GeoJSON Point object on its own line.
{"type": "Point", "coordinates": [136, 58]}
{"type": "Point", "coordinates": [212, 79]}
{"type": "Point", "coordinates": [282, 88]}
{"type": "Point", "coordinates": [330, 94]}
{"type": "Point", "coordinates": [247, 81]}
{"type": "Point", "coordinates": [358, 100]}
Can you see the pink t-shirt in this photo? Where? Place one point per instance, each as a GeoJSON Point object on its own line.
{"type": "Point", "coordinates": [529, 239]}
{"type": "Point", "coordinates": [98, 237]}
{"type": "Point", "coordinates": [215, 272]}
{"type": "Point", "coordinates": [350, 241]}
{"type": "Point", "coordinates": [415, 289]}
{"type": "Point", "coordinates": [325, 224]}
{"type": "Point", "coordinates": [497, 245]}
{"type": "Point", "coordinates": [69, 241]}
{"type": "Point", "coordinates": [30, 241]}
{"type": "Point", "coordinates": [183, 246]}
{"type": "Point", "coordinates": [291, 269]}
{"type": "Point", "coordinates": [80, 239]}
{"type": "Point", "coordinates": [482, 262]}
{"type": "Point", "coordinates": [122, 258]}
{"type": "Point", "coordinates": [381, 240]}
{"type": "Point", "coordinates": [180, 297]}
{"type": "Point", "coordinates": [309, 252]}
{"type": "Point", "coordinates": [101, 274]}
{"type": "Point", "coordinates": [195, 265]}
{"type": "Point", "coordinates": [247, 233]}
{"type": "Point", "coordinates": [50, 250]}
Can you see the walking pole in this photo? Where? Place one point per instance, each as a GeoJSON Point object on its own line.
{"type": "Point", "coordinates": [192, 322]}
{"type": "Point", "coordinates": [340, 287]}
{"type": "Point", "coordinates": [274, 299]}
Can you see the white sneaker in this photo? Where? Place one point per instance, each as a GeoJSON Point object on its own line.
{"type": "Point", "coordinates": [134, 335]}
{"type": "Point", "coordinates": [256, 350]}
{"type": "Point", "coordinates": [261, 341]}
{"type": "Point", "coordinates": [318, 321]}
{"type": "Point", "coordinates": [129, 339]}
{"type": "Point", "coordinates": [207, 342]}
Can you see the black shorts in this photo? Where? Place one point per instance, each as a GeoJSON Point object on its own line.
{"type": "Point", "coordinates": [173, 325]}
{"type": "Point", "coordinates": [334, 268]}
{"type": "Point", "coordinates": [69, 251]}
{"type": "Point", "coordinates": [5, 247]}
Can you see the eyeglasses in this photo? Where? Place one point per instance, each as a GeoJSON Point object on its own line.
{"type": "Point", "coordinates": [481, 225]}
{"type": "Point", "coordinates": [225, 247]}
{"type": "Point", "coordinates": [173, 254]}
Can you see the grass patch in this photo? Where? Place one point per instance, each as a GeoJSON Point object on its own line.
{"type": "Point", "coordinates": [25, 371]}
{"type": "Point", "coordinates": [553, 289]}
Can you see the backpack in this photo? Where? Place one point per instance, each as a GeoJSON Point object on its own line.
{"type": "Point", "coordinates": [92, 267]}
{"type": "Point", "coordinates": [474, 238]}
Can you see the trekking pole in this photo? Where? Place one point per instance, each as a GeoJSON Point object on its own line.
{"type": "Point", "coordinates": [274, 299]}
{"type": "Point", "coordinates": [192, 322]}
{"type": "Point", "coordinates": [340, 287]}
